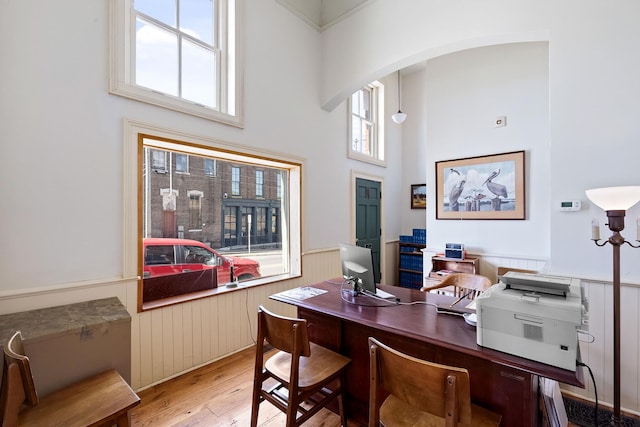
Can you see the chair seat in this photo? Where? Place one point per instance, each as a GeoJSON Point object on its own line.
{"type": "Point", "coordinates": [95, 401]}
{"type": "Point", "coordinates": [394, 412]}
{"type": "Point", "coordinates": [322, 363]}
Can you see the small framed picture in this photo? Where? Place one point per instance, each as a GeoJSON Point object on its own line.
{"type": "Point", "coordinates": [418, 196]}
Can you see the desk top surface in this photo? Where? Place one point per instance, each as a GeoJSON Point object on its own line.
{"type": "Point", "coordinates": [418, 321]}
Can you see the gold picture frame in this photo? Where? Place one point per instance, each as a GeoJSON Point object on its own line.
{"type": "Point", "coordinates": [482, 187]}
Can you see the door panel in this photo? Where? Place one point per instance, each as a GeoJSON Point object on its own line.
{"type": "Point", "coordinates": [368, 199]}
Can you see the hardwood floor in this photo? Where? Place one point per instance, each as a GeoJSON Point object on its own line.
{"type": "Point", "coordinates": [218, 394]}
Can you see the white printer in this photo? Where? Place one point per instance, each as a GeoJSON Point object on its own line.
{"type": "Point", "coordinates": [534, 316]}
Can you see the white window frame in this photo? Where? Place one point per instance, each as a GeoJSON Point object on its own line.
{"type": "Point", "coordinates": [213, 172]}
{"type": "Point", "coordinates": [122, 62]}
{"type": "Point", "coordinates": [236, 184]}
{"type": "Point", "coordinates": [161, 165]}
{"type": "Point", "coordinates": [377, 122]}
{"type": "Point", "coordinates": [260, 184]}
{"type": "Point", "coordinates": [195, 194]}
{"type": "Point", "coordinates": [132, 254]}
{"type": "Point", "coordinates": [186, 163]}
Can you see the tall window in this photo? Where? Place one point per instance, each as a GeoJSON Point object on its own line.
{"type": "Point", "coordinates": [182, 163]}
{"type": "Point", "coordinates": [180, 54]}
{"type": "Point", "coordinates": [240, 238]}
{"type": "Point", "coordinates": [195, 210]}
{"type": "Point", "coordinates": [366, 128]}
{"type": "Point", "coordinates": [235, 181]}
{"type": "Point", "coordinates": [159, 160]}
{"type": "Point", "coordinates": [259, 183]}
{"type": "Point", "coordinates": [230, 225]}
{"type": "Point", "coordinates": [278, 185]}
{"type": "Point", "coordinates": [210, 167]}
{"type": "Point", "coordinates": [260, 226]}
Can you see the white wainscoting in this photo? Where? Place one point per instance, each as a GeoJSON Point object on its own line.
{"type": "Point", "coordinates": [170, 341]}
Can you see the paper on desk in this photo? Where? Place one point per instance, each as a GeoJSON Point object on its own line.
{"type": "Point", "coordinates": [471, 305]}
{"type": "Point", "coordinates": [301, 293]}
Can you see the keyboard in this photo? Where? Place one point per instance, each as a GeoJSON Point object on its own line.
{"type": "Point", "coordinates": [382, 294]}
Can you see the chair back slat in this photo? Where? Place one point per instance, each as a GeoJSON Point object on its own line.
{"type": "Point", "coordinates": [462, 285]}
{"type": "Point", "coordinates": [441, 390]}
{"type": "Point", "coordinates": [284, 332]}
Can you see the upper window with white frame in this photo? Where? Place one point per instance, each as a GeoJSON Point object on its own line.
{"type": "Point", "coordinates": [366, 127]}
{"type": "Point", "coordinates": [179, 54]}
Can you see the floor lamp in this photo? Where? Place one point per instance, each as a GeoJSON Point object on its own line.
{"type": "Point", "coordinates": [615, 201]}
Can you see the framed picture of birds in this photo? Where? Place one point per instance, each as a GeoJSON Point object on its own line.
{"type": "Point", "coordinates": [482, 187]}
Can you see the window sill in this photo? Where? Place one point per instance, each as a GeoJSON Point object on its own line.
{"type": "Point", "coordinates": [220, 290]}
{"type": "Point", "coordinates": [367, 159]}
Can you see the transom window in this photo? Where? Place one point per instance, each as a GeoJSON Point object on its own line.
{"type": "Point", "coordinates": [179, 54]}
{"type": "Point", "coordinates": [366, 128]}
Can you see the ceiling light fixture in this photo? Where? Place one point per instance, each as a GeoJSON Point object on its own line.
{"type": "Point", "coordinates": [399, 117]}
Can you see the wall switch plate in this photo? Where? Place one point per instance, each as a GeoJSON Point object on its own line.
{"type": "Point", "coordinates": [501, 121]}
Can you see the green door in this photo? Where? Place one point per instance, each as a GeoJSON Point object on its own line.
{"type": "Point", "coordinates": [368, 197]}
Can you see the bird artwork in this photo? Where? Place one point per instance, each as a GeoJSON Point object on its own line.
{"type": "Point", "coordinates": [456, 191]}
{"type": "Point", "coordinates": [498, 189]}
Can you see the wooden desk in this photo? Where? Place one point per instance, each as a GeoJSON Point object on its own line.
{"type": "Point", "coordinates": [502, 382]}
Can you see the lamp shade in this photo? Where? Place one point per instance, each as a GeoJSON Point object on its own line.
{"type": "Point", "coordinates": [614, 198]}
{"type": "Point", "coordinates": [399, 117]}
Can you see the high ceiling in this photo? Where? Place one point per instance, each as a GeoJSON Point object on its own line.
{"type": "Point", "coordinates": [321, 14]}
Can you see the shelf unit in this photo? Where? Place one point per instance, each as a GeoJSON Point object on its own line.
{"type": "Point", "coordinates": [410, 269]}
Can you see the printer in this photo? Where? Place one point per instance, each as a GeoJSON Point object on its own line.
{"type": "Point", "coordinates": [534, 316]}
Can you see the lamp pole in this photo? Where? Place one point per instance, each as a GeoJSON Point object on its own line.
{"type": "Point", "coordinates": [615, 201]}
{"type": "Point", "coordinates": [616, 224]}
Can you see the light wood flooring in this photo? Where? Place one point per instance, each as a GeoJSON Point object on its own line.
{"type": "Point", "coordinates": [218, 394]}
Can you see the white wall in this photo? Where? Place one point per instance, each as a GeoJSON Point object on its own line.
{"type": "Point", "coordinates": [586, 138]}
{"type": "Point", "coordinates": [62, 138]}
{"type": "Point", "coordinates": [465, 92]}
{"type": "Point", "coordinates": [593, 92]}
{"type": "Point", "coordinates": [414, 149]}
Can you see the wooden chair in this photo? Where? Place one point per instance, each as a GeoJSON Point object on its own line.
{"type": "Point", "coordinates": [101, 400]}
{"type": "Point", "coordinates": [302, 371]}
{"type": "Point", "coordinates": [420, 393]}
{"type": "Point", "coordinates": [462, 285]}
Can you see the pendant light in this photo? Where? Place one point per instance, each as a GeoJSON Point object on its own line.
{"type": "Point", "coordinates": [399, 117]}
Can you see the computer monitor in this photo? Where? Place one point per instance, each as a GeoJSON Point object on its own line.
{"type": "Point", "coordinates": [357, 265]}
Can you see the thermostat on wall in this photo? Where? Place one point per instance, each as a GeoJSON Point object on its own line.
{"type": "Point", "coordinates": [570, 205]}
